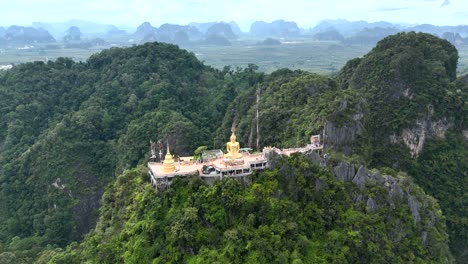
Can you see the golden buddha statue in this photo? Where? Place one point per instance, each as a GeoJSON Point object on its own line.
{"type": "Point", "coordinates": [168, 164]}
{"type": "Point", "coordinates": [232, 149]}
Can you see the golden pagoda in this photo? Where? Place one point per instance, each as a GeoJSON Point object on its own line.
{"type": "Point", "coordinates": [168, 164]}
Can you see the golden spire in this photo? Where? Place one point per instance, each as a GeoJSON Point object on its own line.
{"type": "Point", "coordinates": [168, 164]}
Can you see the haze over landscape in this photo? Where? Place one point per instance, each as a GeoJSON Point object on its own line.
{"type": "Point", "coordinates": [307, 13]}
{"type": "Point", "coordinates": [247, 131]}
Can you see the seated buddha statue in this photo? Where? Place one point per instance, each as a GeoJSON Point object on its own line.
{"type": "Point", "coordinates": [232, 149]}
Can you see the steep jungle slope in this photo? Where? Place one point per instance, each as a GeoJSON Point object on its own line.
{"type": "Point", "coordinates": [297, 212]}
{"type": "Point", "coordinates": [67, 128]}
{"type": "Point", "coordinates": [416, 119]}
{"type": "Point", "coordinates": [400, 106]}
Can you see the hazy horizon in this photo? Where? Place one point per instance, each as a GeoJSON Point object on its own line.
{"type": "Point", "coordinates": [306, 13]}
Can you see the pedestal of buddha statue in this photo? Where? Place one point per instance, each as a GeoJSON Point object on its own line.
{"type": "Point", "coordinates": [233, 157]}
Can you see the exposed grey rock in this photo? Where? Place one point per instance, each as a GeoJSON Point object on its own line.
{"type": "Point", "coordinates": [378, 178]}
{"type": "Point", "coordinates": [361, 177]}
{"type": "Point", "coordinates": [344, 171]}
{"type": "Point", "coordinates": [343, 105]}
{"type": "Point", "coordinates": [318, 185]}
{"type": "Point", "coordinates": [395, 190]}
{"type": "Point", "coordinates": [398, 233]}
{"type": "Point", "coordinates": [340, 138]}
{"type": "Point", "coordinates": [358, 198]}
{"type": "Point", "coordinates": [414, 208]}
{"type": "Point", "coordinates": [58, 184]}
{"type": "Point", "coordinates": [84, 211]}
{"type": "Point", "coordinates": [390, 179]}
{"type": "Point", "coordinates": [415, 137]}
{"type": "Point", "coordinates": [433, 219]}
{"type": "Point", "coordinates": [371, 205]}
{"type": "Point", "coordinates": [424, 238]}
{"type": "Point", "coordinates": [438, 128]}
{"type": "Point", "coordinates": [394, 139]}
{"type": "Point", "coordinates": [314, 157]}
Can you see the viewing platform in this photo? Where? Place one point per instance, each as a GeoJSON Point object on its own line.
{"type": "Point", "coordinates": [235, 163]}
{"type": "Point", "coordinates": [216, 169]}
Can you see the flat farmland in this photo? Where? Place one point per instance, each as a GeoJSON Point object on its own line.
{"type": "Point", "coordinates": [323, 57]}
{"type": "Point", "coordinates": [320, 57]}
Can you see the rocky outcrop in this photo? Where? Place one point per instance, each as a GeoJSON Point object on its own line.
{"type": "Point", "coordinates": [414, 208]}
{"type": "Point", "coordinates": [84, 212]}
{"type": "Point", "coordinates": [378, 178]}
{"type": "Point", "coordinates": [401, 196]}
{"type": "Point", "coordinates": [395, 190]}
{"type": "Point", "coordinates": [58, 184]}
{"type": "Point", "coordinates": [341, 137]}
{"type": "Point", "coordinates": [371, 205]}
{"type": "Point", "coordinates": [145, 30]}
{"type": "Point", "coordinates": [318, 185]}
{"type": "Point", "coordinates": [313, 156]}
{"type": "Point", "coordinates": [344, 171]}
{"type": "Point", "coordinates": [414, 138]}
{"type": "Point", "coordinates": [361, 177]}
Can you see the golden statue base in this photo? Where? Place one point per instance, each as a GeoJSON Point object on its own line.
{"type": "Point", "coordinates": [233, 162]}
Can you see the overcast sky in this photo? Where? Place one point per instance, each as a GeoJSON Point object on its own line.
{"type": "Point", "coordinates": [305, 12]}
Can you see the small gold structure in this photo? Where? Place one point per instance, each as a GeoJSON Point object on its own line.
{"type": "Point", "coordinates": [168, 164]}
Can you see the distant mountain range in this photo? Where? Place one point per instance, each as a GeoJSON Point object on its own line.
{"type": "Point", "coordinates": [24, 35]}
{"type": "Point", "coordinates": [222, 33]}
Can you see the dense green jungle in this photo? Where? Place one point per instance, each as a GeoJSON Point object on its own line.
{"type": "Point", "coordinates": [74, 142]}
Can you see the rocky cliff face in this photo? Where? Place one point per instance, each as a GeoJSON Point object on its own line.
{"type": "Point", "coordinates": [413, 212]}
{"type": "Point", "coordinates": [414, 138]}
{"type": "Point", "coordinates": [341, 137]}
{"type": "Point", "coordinates": [424, 128]}
{"type": "Point", "coordinates": [404, 82]}
{"type": "Point", "coordinates": [400, 191]}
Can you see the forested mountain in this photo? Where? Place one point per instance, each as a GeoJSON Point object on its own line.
{"type": "Point", "coordinates": [400, 106]}
{"type": "Point", "coordinates": [71, 128]}
{"type": "Point", "coordinates": [67, 128]}
{"type": "Point", "coordinates": [298, 212]}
